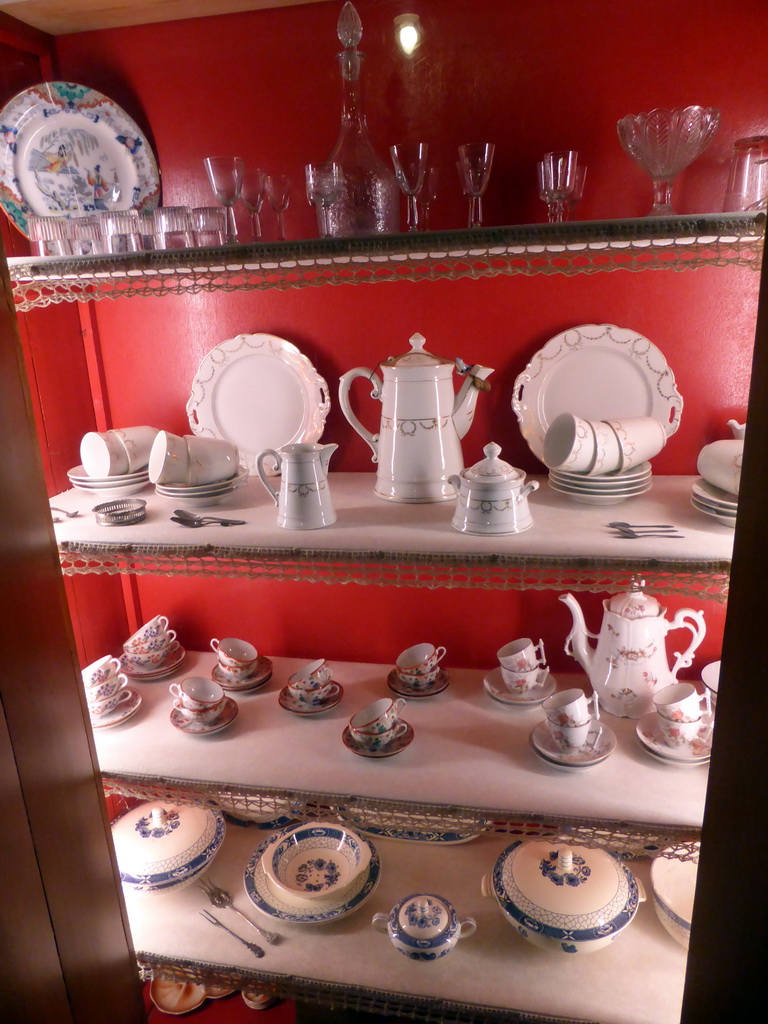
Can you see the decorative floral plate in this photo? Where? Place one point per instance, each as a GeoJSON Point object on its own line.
{"type": "Point", "coordinates": [121, 713]}
{"type": "Point", "coordinates": [598, 372]}
{"type": "Point", "coordinates": [696, 752]}
{"type": "Point", "coordinates": [67, 150]}
{"type": "Point", "coordinates": [287, 699]}
{"type": "Point", "coordinates": [438, 684]}
{"type": "Point", "coordinates": [319, 911]}
{"type": "Point", "coordinates": [261, 674]}
{"type": "Point", "coordinates": [393, 747]}
{"type": "Point", "coordinates": [258, 391]}
{"type": "Point", "coordinates": [601, 743]}
{"type": "Point", "coordinates": [195, 727]}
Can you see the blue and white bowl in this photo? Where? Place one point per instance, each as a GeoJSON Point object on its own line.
{"type": "Point", "coordinates": [162, 848]}
{"type": "Point", "coordinates": [315, 861]}
{"type": "Point", "coordinates": [571, 899]}
{"type": "Point", "coordinates": [423, 926]}
{"type": "Point", "coordinates": [673, 883]}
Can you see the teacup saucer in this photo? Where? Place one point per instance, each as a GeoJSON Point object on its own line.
{"type": "Point", "coordinates": [437, 685]}
{"type": "Point", "coordinates": [176, 654]}
{"type": "Point", "coordinates": [601, 743]}
{"type": "Point", "coordinates": [497, 690]}
{"type": "Point", "coordinates": [393, 747]}
{"type": "Point", "coordinates": [261, 674]}
{"type": "Point", "coordinates": [119, 714]}
{"type": "Point", "coordinates": [687, 754]}
{"type": "Point", "coordinates": [194, 727]}
{"type": "Point", "coordinates": [288, 700]}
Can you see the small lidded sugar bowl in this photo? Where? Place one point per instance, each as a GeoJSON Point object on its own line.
{"type": "Point", "coordinates": [492, 496]}
{"type": "Point", "coordinates": [423, 926]}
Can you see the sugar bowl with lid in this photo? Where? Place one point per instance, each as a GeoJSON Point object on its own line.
{"type": "Point", "coordinates": [492, 496]}
{"type": "Point", "coordinates": [423, 926]}
{"type": "Point", "coordinates": [568, 899]}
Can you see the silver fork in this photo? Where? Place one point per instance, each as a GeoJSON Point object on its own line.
{"type": "Point", "coordinates": [221, 898]}
{"type": "Point", "coordinates": [256, 950]}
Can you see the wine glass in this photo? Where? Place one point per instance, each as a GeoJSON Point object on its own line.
{"type": "Point", "coordinates": [577, 192]}
{"type": "Point", "coordinates": [427, 196]}
{"type": "Point", "coordinates": [474, 164]}
{"type": "Point", "coordinates": [557, 177]}
{"type": "Point", "coordinates": [665, 142]}
{"type": "Point", "coordinates": [225, 173]}
{"type": "Point", "coordinates": [410, 162]}
{"type": "Point", "coordinates": [254, 180]}
{"type": "Point", "coordinates": [325, 186]}
{"type": "Point", "coordinates": [277, 189]}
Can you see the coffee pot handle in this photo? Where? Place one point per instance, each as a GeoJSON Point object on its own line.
{"type": "Point", "coordinates": [376, 391]}
{"type": "Point", "coordinates": [689, 619]}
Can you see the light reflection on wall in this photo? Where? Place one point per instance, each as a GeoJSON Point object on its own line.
{"type": "Point", "coordinates": [408, 33]}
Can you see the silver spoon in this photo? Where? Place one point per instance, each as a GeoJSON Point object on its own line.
{"type": "Point", "coordinates": [642, 526]}
{"type": "Point", "coordinates": [194, 520]}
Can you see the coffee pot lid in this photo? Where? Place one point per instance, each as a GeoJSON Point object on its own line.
{"type": "Point", "coordinates": [492, 469]}
{"type": "Point", "coordinates": [634, 604]}
{"type": "Point", "coordinates": [418, 356]}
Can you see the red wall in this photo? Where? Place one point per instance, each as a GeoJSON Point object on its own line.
{"type": "Point", "coordinates": [528, 76]}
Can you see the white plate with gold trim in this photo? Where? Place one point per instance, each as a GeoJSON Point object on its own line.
{"type": "Point", "coordinates": [598, 372]}
{"type": "Point", "coordinates": [258, 391]}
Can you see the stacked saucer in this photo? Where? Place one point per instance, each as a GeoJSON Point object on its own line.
{"type": "Point", "coordinates": [117, 486]}
{"type": "Point", "coordinates": [602, 489]}
{"type": "Point", "coordinates": [600, 744]}
{"type": "Point", "coordinates": [685, 755]}
{"type": "Point", "coordinates": [202, 495]}
{"type": "Point", "coordinates": [713, 501]}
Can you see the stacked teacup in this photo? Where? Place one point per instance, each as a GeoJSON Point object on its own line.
{"type": "Point", "coordinates": [523, 665]}
{"type": "Point", "coordinates": [150, 648]}
{"type": "Point", "coordinates": [570, 714]}
{"type": "Point", "coordinates": [114, 462]}
{"type": "Point", "coordinates": [680, 713]}
{"type": "Point", "coordinates": [198, 700]}
{"type": "Point", "coordinates": [198, 470]}
{"type": "Point", "coordinates": [236, 663]}
{"type": "Point", "coordinates": [602, 461]}
{"type": "Point", "coordinates": [377, 726]}
{"type": "Point", "coordinates": [105, 687]}
{"type": "Point", "coordinates": [311, 684]}
{"type": "Point", "coordinates": [418, 666]}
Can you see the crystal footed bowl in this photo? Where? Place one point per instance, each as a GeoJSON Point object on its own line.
{"type": "Point", "coordinates": [664, 142]}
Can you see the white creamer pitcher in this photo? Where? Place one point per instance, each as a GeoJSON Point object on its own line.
{"type": "Point", "coordinates": [418, 446]}
{"type": "Point", "coordinates": [304, 499]}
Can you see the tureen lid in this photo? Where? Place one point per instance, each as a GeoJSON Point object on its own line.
{"type": "Point", "coordinates": [634, 604]}
{"type": "Point", "coordinates": [418, 356]}
{"type": "Point", "coordinates": [424, 916]}
{"type": "Point", "coordinates": [154, 837]}
{"type": "Point", "coordinates": [560, 888]}
{"type": "Point", "coordinates": [492, 469]}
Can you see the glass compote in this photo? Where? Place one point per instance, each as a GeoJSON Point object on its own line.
{"type": "Point", "coordinates": [474, 164]}
{"type": "Point", "coordinates": [278, 192]}
{"type": "Point", "coordinates": [557, 178]}
{"type": "Point", "coordinates": [225, 173]}
{"type": "Point", "coordinates": [325, 186]}
{"type": "Point", "coordinates": [254, 182]}
{"type": "Point", "coordinates": [665, 142]}
{"type": "Point", "coordinates": [410, 163]}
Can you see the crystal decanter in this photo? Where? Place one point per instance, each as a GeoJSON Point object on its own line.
{"type": "Point", "coordinates": [370, 201]}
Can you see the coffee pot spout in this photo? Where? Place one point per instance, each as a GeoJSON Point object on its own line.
{"type": "Point", "coordinates": [576, 642]}
{"type": "Point", "coordinates": [466, 398]}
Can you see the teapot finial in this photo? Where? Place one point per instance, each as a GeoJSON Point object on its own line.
{"type": "Point", "coordinates": [636, 584]}
{"type": "Point", "coordinates": [418, 341]}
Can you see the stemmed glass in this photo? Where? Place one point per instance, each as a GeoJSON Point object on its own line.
{"type": "Point", "coordinates": [278, 192]}
{"type": "Point", "coordinates": [254, 181]}
{"type": "Point", "coordinates": [577, 192]}
{"type": "Point", "coordinates": [225, 173]}
{"type": "Point", "coordinates": [410, 162]}
{"type": "Point", "coordinates": [664, 142]}
{"type": "Point", "coordinates": [474, 164]}
{"type": "Point", "coordinates": [325, 186]}
{"type": "Point", "coordinates": [557, 177]}
{"type": "Point", "coordinates": [427, 196]}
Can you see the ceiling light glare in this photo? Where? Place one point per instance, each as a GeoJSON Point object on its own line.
{"type": "Point", "coordinates": [408, 33]}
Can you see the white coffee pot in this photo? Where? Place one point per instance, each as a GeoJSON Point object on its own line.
{"type": "Point", "coordinates": [418, 446]}
{"type": "Point", "coordinates": [629, 662]}
{"type": "Point", "coordinates": [304, 499]}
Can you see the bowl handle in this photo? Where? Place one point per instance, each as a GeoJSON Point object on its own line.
{"type": "Point", "coordinates": [379, 922]}
{"type": "Point", "coordinates": [486, 887]}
